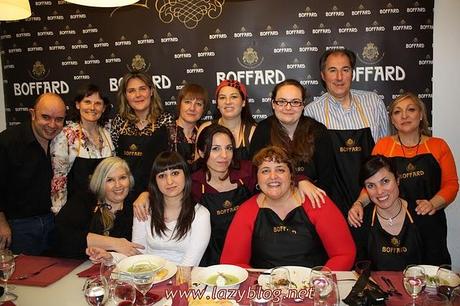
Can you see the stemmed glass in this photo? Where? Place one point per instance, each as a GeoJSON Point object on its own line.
{"type": "Point", "coordinates": [106, 269]}
{"type": "Point", "coordinates": [96, 290]}
{"type": "Point", "coordinates": [446, 280]}
{"type": "Point", "coordinates": [455, 297]}
{"type": "Point", "coordinates": [124, 293]}
{"type": "Point", "coordinates": [414, 281]}
{"type": "Point", "coordinates": [436, 300]}
{"type": "Point", "coordinates": [280, 280]}
{"type": "Point", "coordinates": [321, 280]}
{"type": "Point", "coordinates": [7, 266]}
{"type": "Point", "coordinates": [143, 278]}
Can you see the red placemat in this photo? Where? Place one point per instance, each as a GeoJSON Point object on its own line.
{"type": "Point", "coordinates": [26, 264]}
{"type": "Point", "coordinates": [91, 271]}
{"type": "Point", "coordinates": [396, 278]}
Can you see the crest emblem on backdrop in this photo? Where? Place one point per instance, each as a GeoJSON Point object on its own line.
{"type": "Point", "coordinates": [250, 59]}
{"type": "Point", "coordinates": [39, 71]}
{"type": "Point", "coordinates": [370, 54]}
{"type": "Point", "coordinates": [138, 64]}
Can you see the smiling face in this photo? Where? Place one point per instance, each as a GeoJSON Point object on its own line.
{"type": "Point", "coordinates": [288, 114]}
{"type": "Point", "coordinates": [116, 186]}
{"type": "Point", "coordinates": [48, 117]}
{"type": "Point", "coordinates": [406, 116]}
{"type": "Point", "coordinates": [191, 109]}
{"type": "Point", "coordinates": [382, 188]}
{"type": "Point", "coordinates": [337, 75]}
{"type": "Point", "coordinates": [91, 108]}
{"type": "Point", "coordinates": [171, 183]}
{"type": "Point", "coordinates": [274, 179]}
{"type": "Point", "coordinates": [229, 102]}
{"type": "Point", "coordinates": [139, 96]}
{"type": "Point", "coordinates": [220, 156]}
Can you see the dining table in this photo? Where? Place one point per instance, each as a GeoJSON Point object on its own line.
{"type": "Point", "coordinates": [67, 291]}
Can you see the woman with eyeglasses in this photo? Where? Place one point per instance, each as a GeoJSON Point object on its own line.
{"type": "Point", "coordinates": [305, 139]}
{"type": "Point", "coordinates": [233, 112]}
{"type": "Point", "coordinates": [192, 104]}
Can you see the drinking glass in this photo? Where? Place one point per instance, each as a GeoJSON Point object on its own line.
{"type": "Point", "coordinates": [123, 293]}
{"type": "Point", "coordinates": [258, 296]}
{"type": "Point", "coordinates": [96, 290]}
{"type": "Point", "coordinates": [7, 266]}
{"type": "Point", "coordinates": [433, 299]}
{"type": "Point", "coordinates": [105, 270]}
{"type": "Point", "coordinates": [414, 281]}
{"type": "Point", "coordinates": [323, 283]}
{"type": "Point", "coordinates": [280, 281]}
{"type": "Point", "coordinates": [455, 297]}
{"type": "Point", "coordinates": [447, 279]}
{"type": "Point", "coordinates": [143, 281]}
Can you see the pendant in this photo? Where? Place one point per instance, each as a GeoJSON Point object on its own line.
{"type": "Point", "coordinates": [390, 221]}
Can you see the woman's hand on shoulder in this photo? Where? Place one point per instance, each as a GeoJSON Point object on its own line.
{"type": "Point", "coordinates": [425, 207]}
{"type": "Point", "coordinates": [355, 214]}
{"type": "Point", "coordinates": [127, 247]}
{"type": "Point", "coordinates": [141, 206]}
{"type": "Point", "coordinates": [315, 194]}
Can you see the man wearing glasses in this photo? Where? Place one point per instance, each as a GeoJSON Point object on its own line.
{"type": "Point", "coordinates": [355, 119]}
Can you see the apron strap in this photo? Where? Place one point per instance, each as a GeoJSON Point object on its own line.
{"type": "Point", "coordinates": [79, 139]}
{"type": "Point", "coordinates": [106, 139]}
{"type": "Point", "coordinates": [374, 212]}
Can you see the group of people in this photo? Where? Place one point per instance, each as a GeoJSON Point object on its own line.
{"type": "Point", "coordinates": [279, 192]}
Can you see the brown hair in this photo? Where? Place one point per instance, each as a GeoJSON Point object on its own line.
{"type": "Point", "coordinates": [195, 90]}
{"type": "Point", "coordinates": [125, 111]}
{"type": "Point", "coordinates": [277, 155]}
{"type": "Point", "coordinates": [423, 127]}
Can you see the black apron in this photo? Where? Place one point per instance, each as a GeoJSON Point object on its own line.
{"type": "Point", "coordinates": [140, 152]}
{"type": "Point", "coordinates": [351, 148]}
{"type": "Point", "coordinates": [241, 152]}
{"type": "Point", "coordinates": [184, 148]}
{"type": "Point", "coordinates": [393, 253]}
{"type": "Point", "coordinates": [420, 178]}
{"type": "Point", "coordinates": [82, 169]}
{"type": "Point", "coordinates": [222, 207]}
{"type": "Point", "coordinates": [289, 242]}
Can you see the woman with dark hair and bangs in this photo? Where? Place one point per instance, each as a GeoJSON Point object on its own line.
{"type": "Point", "coordinates": [176, 228]}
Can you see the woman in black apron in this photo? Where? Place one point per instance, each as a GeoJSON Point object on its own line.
{"type": "Point", "coordinates": [192, 104]}
{"type": "Point", "coordinates": [220, 184]}
{"type": "Point", "coordinates": [275, 228]}
{"type": "Point", "coordinates": [306, 140]}
{"type": "Point", "coordinates": [427, 174]}
{"type": "Point", "coordinates": [233, 112]}
{"type": "Point", "coordinates": [80, 146]}
{"type": "Point", "coordinates": [389, 238]}
{"type": "Point", "coordinates": [101, 219]}
{"type": "Point", "coordinates": [140, 129]}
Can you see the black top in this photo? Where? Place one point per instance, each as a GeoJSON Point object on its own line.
{"type": "Point", "coordinates": [25, 174]}
{"type": "Point", "coordinates": [77, 218]}
{"type": "Point", "coordinates": [320, 170]}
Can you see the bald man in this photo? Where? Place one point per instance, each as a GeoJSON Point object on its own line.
{"type": "Point", "coordinates": [26, 221]}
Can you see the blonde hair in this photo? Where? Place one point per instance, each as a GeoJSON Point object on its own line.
{"type": "Point", "coordinates": [423, 127]}
{"type": "Point", "coordinates": [97, 186]}
{"type": "Point", "coordinates": [125, 111]}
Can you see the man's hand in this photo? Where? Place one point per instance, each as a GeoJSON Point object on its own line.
{"type": "Point", "coordinates": [5, 232]}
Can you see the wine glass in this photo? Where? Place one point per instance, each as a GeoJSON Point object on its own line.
{"type": "Point", "coordinates": [7, 266]}
{"type": "Point", "coordinates": [433, 299]}
{"type": "Point", "coordinates": [321, 280]}
{"type": "Point", "coordinates": [446, 280]}
{"type": "Point", "coordinates": [96, 290]}
{"type": "Point", "coordinates": [414, 281]}
{"type": "Point", "coordinates": [106, 269]}
{"type": "Point", "coordinates": [455, 297]}
{"type": "Point", "coordinates": [124, 293]}
{"type": "Point", "coordinates": [280, 280]}
{"type": "Point", "coordinates": [143, 279]}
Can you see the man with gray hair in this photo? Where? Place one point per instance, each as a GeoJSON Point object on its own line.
{"type": "Point", "coordinates": [356, 119]}
{"type": "Point", "coordinates": [26, 221]}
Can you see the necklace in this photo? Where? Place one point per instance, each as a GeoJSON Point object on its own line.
{"type": "Point", "coordinates": [410, 147]}
{"type": "Point", "coordinates": [390, 220]}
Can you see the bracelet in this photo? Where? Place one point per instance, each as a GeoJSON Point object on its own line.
{"type": "Point", "coordinates": [360, 203]}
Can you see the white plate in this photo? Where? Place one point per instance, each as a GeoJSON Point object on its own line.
{"type": "Point", "coordinates": [299, 276]}
{"type": "Point", "coordinates": [127, 262]}
{"type": "Point", "coordinates": [172, 269]}
{"type": "Point", "coordinates": [204, 274]}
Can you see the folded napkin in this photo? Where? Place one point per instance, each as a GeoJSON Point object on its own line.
{"type": "Point", "coordinates": [9, 303]}
{"type": "Point", "coordinates": [26, 265]}
{"type": "Point", "coordinates": [91, 271]}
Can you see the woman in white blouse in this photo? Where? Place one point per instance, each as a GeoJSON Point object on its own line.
{"type": "Point", "coordinates": [177, 229]}
{"type": "Point", "coordinates": [81, 145]}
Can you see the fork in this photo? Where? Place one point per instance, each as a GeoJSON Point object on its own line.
{"type": "Point", "coordinates": [29, 275]}
{"type": "Point", "coordinates": [390, 285]}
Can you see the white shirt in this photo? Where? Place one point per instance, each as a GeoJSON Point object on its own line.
{"type": "Point", "coordinates": [185, 252]}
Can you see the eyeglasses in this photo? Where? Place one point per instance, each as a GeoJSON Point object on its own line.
{"type": "Point", "coordinates": [292, 103]}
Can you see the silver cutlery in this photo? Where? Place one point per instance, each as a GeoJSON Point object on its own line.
{"type": "Point", "coordinates": [390, 285]}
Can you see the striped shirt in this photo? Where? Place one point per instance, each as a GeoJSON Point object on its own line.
{"type": "Point", "coordinates": [367, 110]}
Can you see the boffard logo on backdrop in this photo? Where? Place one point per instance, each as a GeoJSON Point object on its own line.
{"type": "Point", "coordinates": [250, 59]}
{"type": "Point", "coordinates": [138, 63]}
